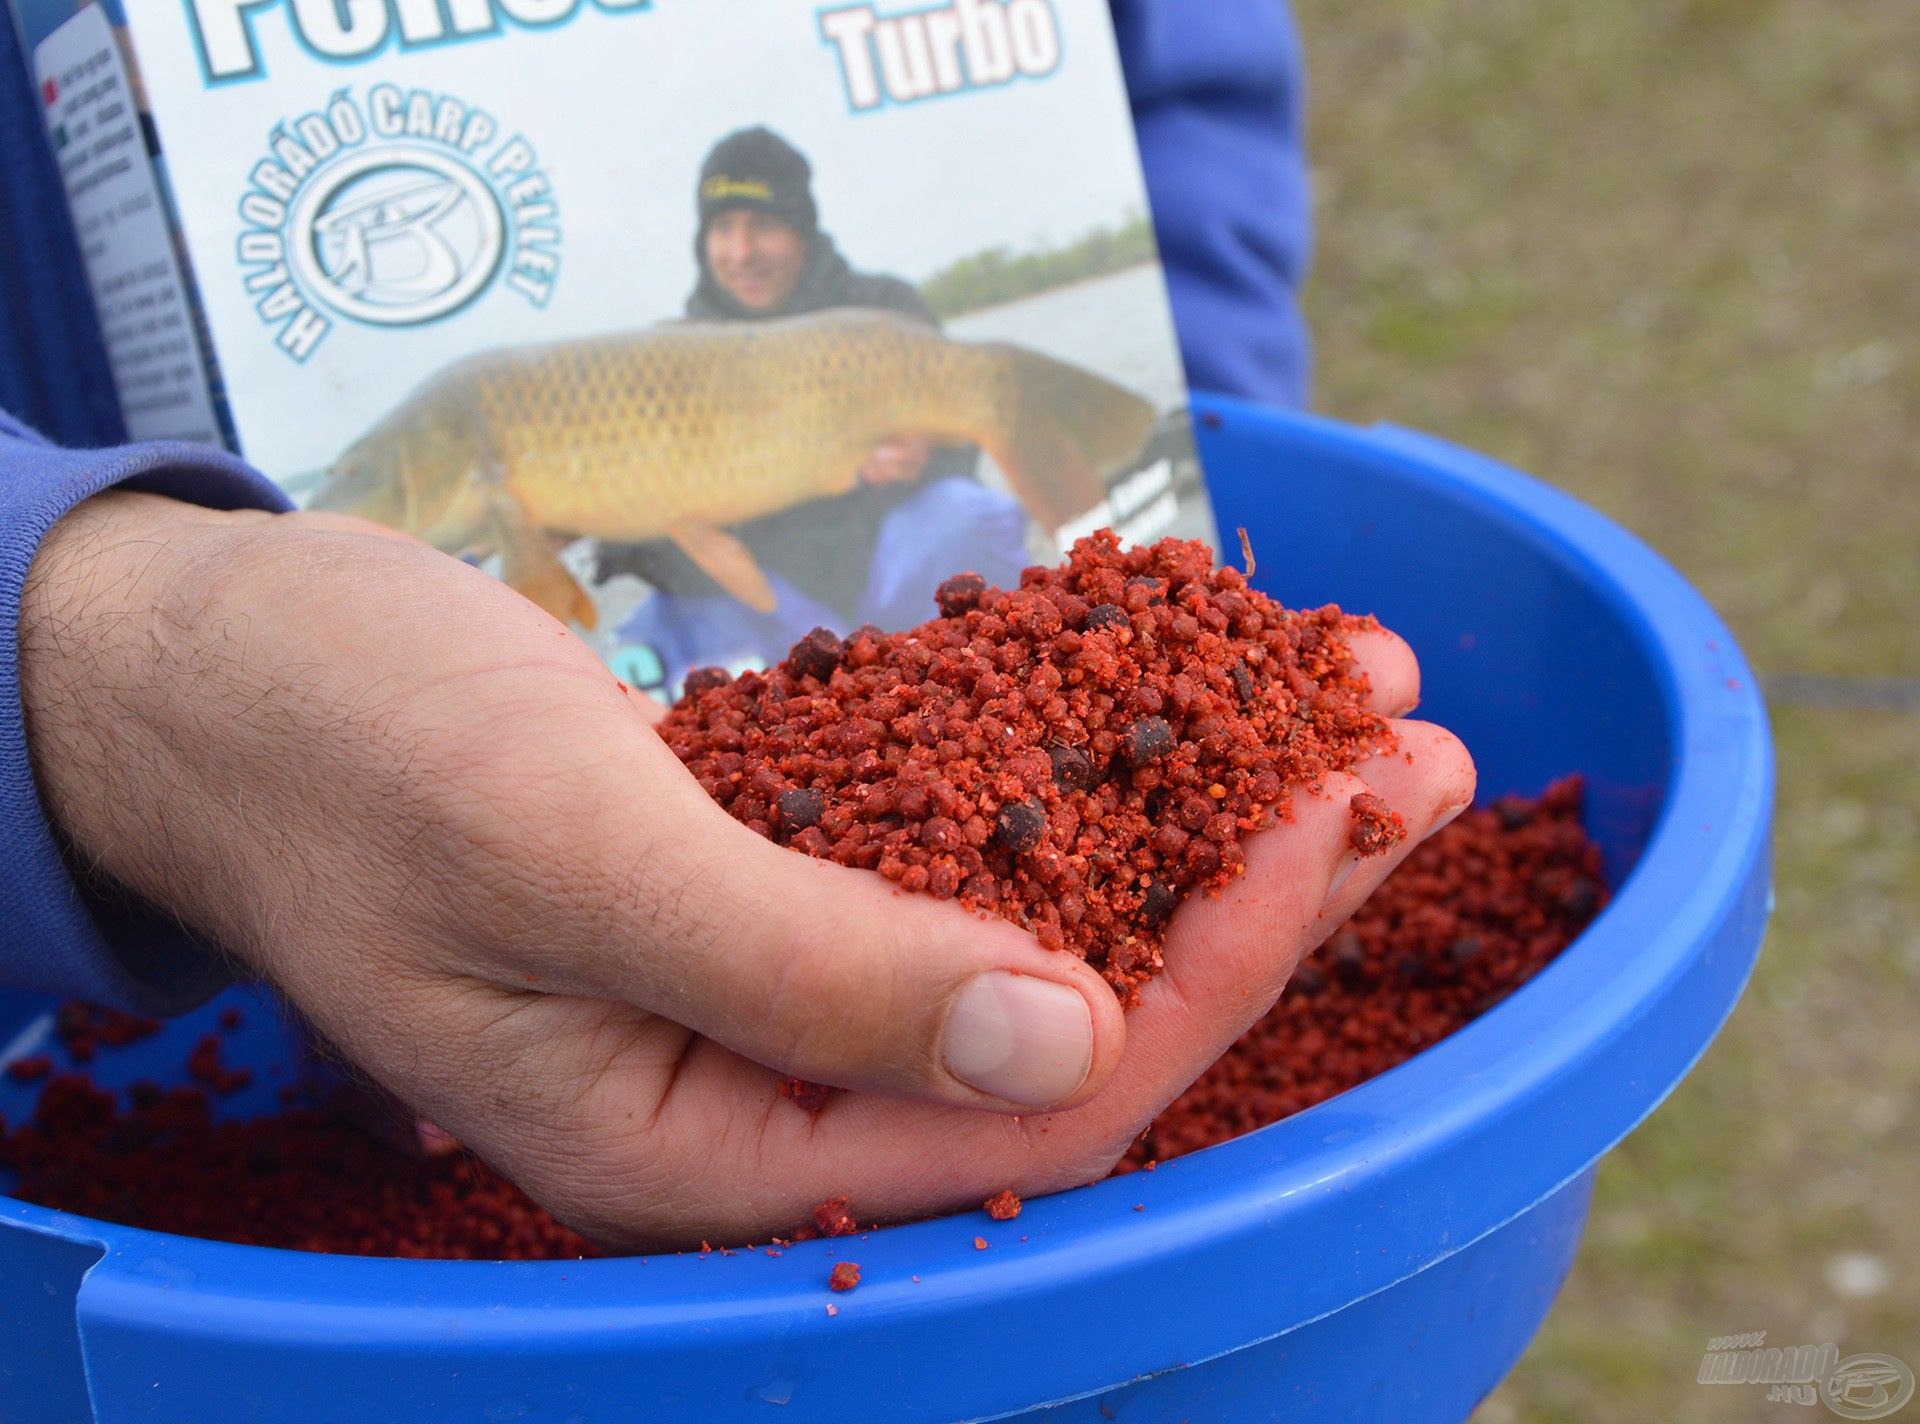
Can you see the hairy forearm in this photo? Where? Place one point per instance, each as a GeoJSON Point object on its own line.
{"type": "Point", "coordinates": [143, 711]}
{"type": "Point", "coordinates": [283, 729]}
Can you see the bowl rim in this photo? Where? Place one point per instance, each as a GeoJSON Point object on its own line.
{"type": "Point", "coordinates": [1489, 1104]}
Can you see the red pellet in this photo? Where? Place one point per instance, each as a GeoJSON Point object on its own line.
{"type": "Point", "coordinates": [204, 1066]}
{"type": "Point", "coordinates": [831, 1218]}
{"type": "Point", "coordinates": [1077, 755]}
{"type": "Point", "coordinates": [84, 1029]}
{"type": "Point", "coordinates": [1003, 1205]}
{"type": "Point", "coordinates": [1377, 827]}
{"type": "Point", "coordinates": [30, 1070]}
{"type": "Point", "coordinates": [810, 1097]}
{"type": "Point", "coordinates": [844, 1276]}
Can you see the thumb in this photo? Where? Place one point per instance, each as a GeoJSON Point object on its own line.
{"type": "Point", "coordinates": [833, 975]}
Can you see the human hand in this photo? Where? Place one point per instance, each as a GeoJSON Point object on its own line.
{"type": "Point", "coordinates": [424, 811]}
{"type": "Point", "coordinates": [898, 461]}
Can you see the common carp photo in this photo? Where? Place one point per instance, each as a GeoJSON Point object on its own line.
{"type": "Point", "coordinates": [683, 432]}
{"type": "Point", "coordinates": [700, 326]}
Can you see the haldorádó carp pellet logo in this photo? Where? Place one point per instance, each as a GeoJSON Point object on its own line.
{"type": "Point", "coordinates": [394, 211]}
{"type": "Point", "coordinates": [397, 236]}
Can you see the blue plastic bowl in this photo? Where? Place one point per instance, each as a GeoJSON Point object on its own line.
{"type": "Point", "coordinates": [1385, 1256]}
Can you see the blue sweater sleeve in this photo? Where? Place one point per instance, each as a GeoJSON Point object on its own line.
{"type": "Point", "coordinates": [1217, 98]}
{"type": "Point", "coordinates": [55, 934]}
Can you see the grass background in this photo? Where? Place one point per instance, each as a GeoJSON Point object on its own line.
{"type": "Point", "coordinates": [1666, 254]}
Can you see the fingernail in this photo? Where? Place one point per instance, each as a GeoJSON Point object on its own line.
{"type": "Point", "coordinates": [1341, 872]}
{"type": "Point", "coordinates": [1027, 1040]}
{"type": "Point", "coordinates": [1446, 816]}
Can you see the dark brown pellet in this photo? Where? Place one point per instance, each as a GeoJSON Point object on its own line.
{"type": "Point", "coordinates": [1513, 812]}
{"type": "Point", "coordinates": [800, 808]}
{"type": "Point", "coordinates": [705, 679]}
{"type": "Point", "coordinates": [1348, 957]}
{"type": "Point", "coordinates": [816, 655]}
{"type": "Point", "coordinates": [1147, 740]}
{"type": "Point", "coordinates": [1020, 825]}
{"type": "Point", "coordinates": [1581, 899]}
{"type": "Point", "coordinates": [1073, 769]}
{"type": "Point", "coordinates": [959, 594]}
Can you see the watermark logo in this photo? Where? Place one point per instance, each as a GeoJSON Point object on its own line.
{"type": "Point", "coordinates": [1867, 1386]}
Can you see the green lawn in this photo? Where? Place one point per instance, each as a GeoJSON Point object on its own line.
{"type": "Point", "coordinates": [1667, 255]}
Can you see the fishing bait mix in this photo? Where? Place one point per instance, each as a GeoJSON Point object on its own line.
{"type": "Point", "coordinates": [1077, 755]}
{"type": "Point", "coordinates": [1473, 914]}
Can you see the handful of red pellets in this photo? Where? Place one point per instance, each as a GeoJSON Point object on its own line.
{"type": "Point", "coordinates": [1077, 755]}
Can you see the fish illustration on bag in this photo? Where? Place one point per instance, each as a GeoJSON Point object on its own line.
{"type": "Point", "coordinates": [680, 431]}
